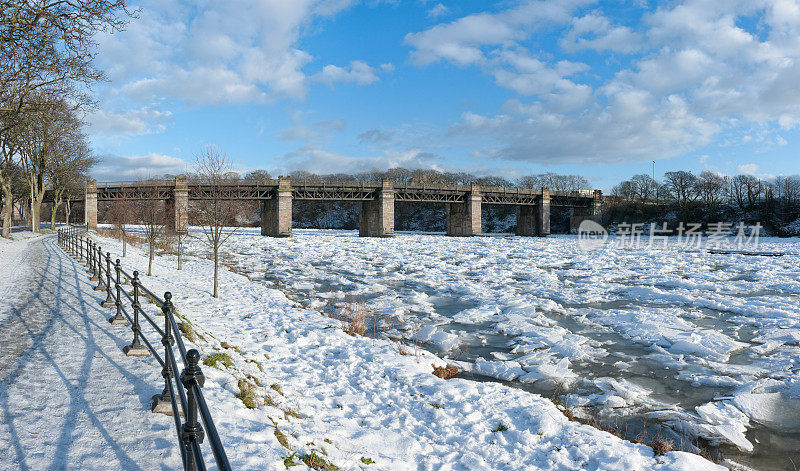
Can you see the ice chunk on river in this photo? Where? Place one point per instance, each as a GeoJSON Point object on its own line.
{"type": "Point", "coordinates": [476, 315]}
{"type": "Point", "coordinates": [505, 370]}
{"type": "Point", "coordinates": [440, 339]}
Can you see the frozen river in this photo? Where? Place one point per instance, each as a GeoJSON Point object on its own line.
{"type": "Point", "coordinates": [702, 348]}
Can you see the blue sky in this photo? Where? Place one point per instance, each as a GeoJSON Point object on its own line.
{"type": "Point", "coordinates": [505, 88]}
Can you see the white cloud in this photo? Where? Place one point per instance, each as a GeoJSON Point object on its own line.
{"type": "Point", "coordinates": [375, 136]}
{"type": "Point", "coordinates": [214, 52]}
{"type": "Point", "coordinates": [462, 40]}
{"type": "Point", "coordinates": [594, 31]}
{"type": "Point", "coordinates": [315, 132]}
{"type": "Point", "coordinates": [526, 75]}
{"type": "Point", "coordinates": [357, 72]}
{"type": "Point", "coordinates": [633, 126]}
{"type": "Point", "coordinates": [747, 169]}
{"type": "Point", "coordinates": [118, 168]}
{"type": "Point", "coordinates": [438, 10]}
{"type": "Point", "coordinates": [694, 74]}
{"type": "Point", "coordinates": [322, 161]}
{"type": "Point", "coordinates": [130, 123]}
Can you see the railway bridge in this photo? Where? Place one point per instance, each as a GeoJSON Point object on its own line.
{"type": "Point", "coordinates": [462, 202]}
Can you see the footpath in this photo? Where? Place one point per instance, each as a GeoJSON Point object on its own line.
{"type": "Point", "coordinates": [69, 397]}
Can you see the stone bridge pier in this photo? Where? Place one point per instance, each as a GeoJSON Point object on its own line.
{"type": "Point", "coordinates": [592, 212]}
{"type": "Point", "coordinates": [464, 219]}
{"type": "Point", "coordinates": [276, 213]}
{"type": "Point", "coordinates": [177, 207]}
{"type": "Point", "coordinates": [376, 218]}
{"type": "Point", "coordinates": [90, 205]}
{"type": "Point", "coordinates": [534, 220]}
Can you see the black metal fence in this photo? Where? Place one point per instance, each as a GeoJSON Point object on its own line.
{"type": "Point", "coordinates": [182, 395]}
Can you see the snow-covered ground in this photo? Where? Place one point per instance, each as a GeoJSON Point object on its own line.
{"type": "Point", "coordinates": [360, 402]}
{"type": "Point", "coordinates": [705, 344]}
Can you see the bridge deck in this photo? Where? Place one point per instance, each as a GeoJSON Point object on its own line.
{"type": "Point", "coordinates": [346, 191]}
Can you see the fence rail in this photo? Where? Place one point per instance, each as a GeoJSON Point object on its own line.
{"type": "Point", "coordinates": [182, 395]}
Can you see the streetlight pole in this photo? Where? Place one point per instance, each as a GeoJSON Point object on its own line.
{"type": "Point", "coordinates": [654, 180]}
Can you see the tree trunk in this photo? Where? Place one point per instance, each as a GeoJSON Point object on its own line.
{"type": "Point", "coordinates": [53, 216]}
{"type": "Point", "coordinates": [67, 211]}
{"type": "Point", "coordinates": [124, 243]}
{"type": "Point", "coordinates": [8, 209]}
{"type": "Point", "coordinates": [150, 263]}
{"type": "Point", "coordinates": [36, 215]}
{"type": "Point", "coordinates": [180, 251]}
{"type": "Point", "coordinates": [216, 269]}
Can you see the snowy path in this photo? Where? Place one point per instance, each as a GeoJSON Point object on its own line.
{"type": "Point", "coordinates": [69, 397]}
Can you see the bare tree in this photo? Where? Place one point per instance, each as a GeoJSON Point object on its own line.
{"type": "Point", "coordinates": [682, 186]}
{"type": "Point", "coordinates": [218, 209]}
{"type": "Point", "coordinates": [754, 188]}
{"type": "Point", "coordinates": [787, 190]}
{"type": "Point", "coordinates": [50, 44]}
{"type": "Point", "coordinates": [9, 170]}
{"type": "Point", "coordinates": [51, 144]}
{"type": "Point", "coordinates": [69, 171]}
{"type": "Point", "coordinates": [399, 175]}
{"type": "Point", "coordinates": [47, 47]}
{"type": "Point", "coordinates": [71, 193]}
{"type": "Point", "coordinates": [120, 215]}
{"type": "Point", "coordinates": [260, 177]}
{"type": "Point", "coordinates": [153, 218]}
{"type": "Point", "coordinates": [738, 191]}
{"type": "Point", "coordinates": [555, 182]}
{"type": "Point", "coordinates": [711, 188]}
{"type": "Point", "coordinates": [644, 187]}
{"type": "Point", "coordinates": [625, 190]}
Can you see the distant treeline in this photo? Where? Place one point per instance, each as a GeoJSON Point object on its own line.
{"type": "Point", "coordinates": [708, 197]}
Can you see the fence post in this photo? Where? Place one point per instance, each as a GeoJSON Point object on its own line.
{"type": "Point", "coordinates": [109, 298]}
{"type": "Point", "coordinates": [98, 264]}
{"type": "Point", "coordinates": [135, 348]}
{"type": "Point", "coordinates": [88, 254]}
{"type": "Point", "coordinates": [163, 403]}
{"type": "Point", "coordinates": [93, 265]}
{"type": "Point", "coordinates": [192, 432]}
{"type": "Point", "coordinates": [119, 318]}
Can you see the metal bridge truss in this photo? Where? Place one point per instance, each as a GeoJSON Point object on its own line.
{"type": "Point", "coordinates": [339, 192]}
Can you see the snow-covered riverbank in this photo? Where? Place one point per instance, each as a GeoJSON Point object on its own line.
{"type": "Point", "coordinates": [362, 400]}
{"type": "Point", "coordinates": [706, 345]}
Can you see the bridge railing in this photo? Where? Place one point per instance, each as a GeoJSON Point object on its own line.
{"type": "Point", "coordinates": [182, 395]}
{"type": "Point", "coordinates": [347, 184]}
